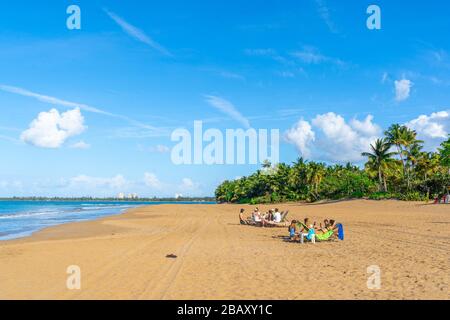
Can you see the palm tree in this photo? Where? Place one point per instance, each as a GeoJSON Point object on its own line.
{"type": "Point", "coordinates": [266, 164]}
{"type": "Point", "coordinates": [411, 148]}
{"type": "Point", "coordinates": [406, 143]}
{"type": "Point", "coordinates": [317, 171]}
{"type": "Point", "coordinates": [444, 151]}
{"type": "Point", "coordinates": [379, 158]}
{"type": "Point", "coordinates": [395, 136]}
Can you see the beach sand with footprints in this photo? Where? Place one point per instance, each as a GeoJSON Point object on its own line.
{"type": "Point", "coordinates": [214, 257]}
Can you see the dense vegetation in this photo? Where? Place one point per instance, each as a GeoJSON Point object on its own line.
{"type": "Point", "coordinates": [396, 167]}
{"type": "Point", "coordinates": [87, 199]}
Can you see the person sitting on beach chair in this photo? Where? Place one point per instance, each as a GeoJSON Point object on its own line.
{"type": "Point", "coordinates": [293, 231]}
{"type": "Point", "coordinates": [256, 217]}
{"type": "Point", "coordinates": [307, 232]}
{"type": "Point", "coordinates": [268, 216]}
{"type": "Point", "coordinates": [304, 226]}
{"type": "Point", "coordinates": [329, 226]}
{"type": "Point", "coordinates": [276, 216]}
{"type": "Point", "coordinates": [279, 222]}
{"type": "Point", "coordinates": [244, 221]}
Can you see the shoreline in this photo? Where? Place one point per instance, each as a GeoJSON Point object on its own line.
{"type": "Point", "coordinates": [124, 256]}
{"type": "Point", "coordinates": [115, 212]}
{"type": "Point", "coordinates": [48, 231]}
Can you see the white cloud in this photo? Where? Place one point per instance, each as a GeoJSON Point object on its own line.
{"type": "Point", "coordinates": [227, 108]}
{"type": "Point", "coordinates": [83, 181]}
{"type": "Point", "coordinates": [329, 137]}
{"type": "Point", "coordinates": [160, 149]}
{"type": "Point", "coordinates": [324, 13]}
{"type": "Point", "coordinates": [152, 181]}
{"type": "Point", "coordinates": [80, 145]}
{"type": "Point", "coordinates": [433, 129]}
{"type": "Point", "coordinates": [366, 127]}
{"type": "Point", "coordinates": [309, 55]}
{"type": "Point", "coordinates": [340, 141]}
{"type": "Point", "coordinates": [60, 102]}
{"type": "Point", "coordinates": [137, 34]}
{"type": "Point", "coordinates": [384, 77]}
{"type": "Point", "coordinates": [14, 184]}
{"type": "Point", "coordinates": [312, 55]}
{"type": "Point", "coordinates": [231, 75]}
{"type": "Point", "coordinates": [286, 74]}
{"type": "Point", "coordinates": [188, 187]}
{"type": "Point", "coordinates": [301, 135]}
{"type": "Point", "coordinates": [188, 183]}
{"type": "Point", "coordinates": [260, 52]}
{"type": "Point", "coordinates": [270, 53]}
{"type": "Point", "coordinates": [51, 100]}
{"type": "Point", "coordinates": [402, 89]}
{"type": "Point", "coordinates": [432, 126]}
{"type": "Point", "coordinates": [51, 129]}
{"type": "Point", "coordinates": [7, 138]}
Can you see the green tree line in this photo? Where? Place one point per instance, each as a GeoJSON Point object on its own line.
{"type": "Point", "coordinates": [396, 167]}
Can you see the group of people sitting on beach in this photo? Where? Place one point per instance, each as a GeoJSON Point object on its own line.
{"type": "Point", "coordinates": [442, 199]}
{"type": "Point", "coordinates": [298, 230]}
{"type": "Point", "coordinates": [273, 217]}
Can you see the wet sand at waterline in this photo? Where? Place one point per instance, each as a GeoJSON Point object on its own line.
{"type": "Point", "coordinates": [124, 257]}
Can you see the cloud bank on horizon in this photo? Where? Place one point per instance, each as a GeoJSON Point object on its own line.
{"type": "Point", "coordinates": [329, 137]}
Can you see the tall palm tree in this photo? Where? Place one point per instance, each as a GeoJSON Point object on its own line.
{"type": "Point", "coordinates": [445, 153]}
{"type": "Point", "coordinates": [379, 158]}
{"type": "Point", "coordinates": [427, 164]}
{"type": "Point", "coordinates": [411, 149]}
{"type": "Point", "coordinates": [395, 135]}
{"type": "Point", "coordinates": [406, 142]}
{"type": "Point", "coordinates": [317, 172]}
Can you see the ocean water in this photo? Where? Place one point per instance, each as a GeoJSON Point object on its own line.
{"type": "Point", "coordinates": [22, 218]}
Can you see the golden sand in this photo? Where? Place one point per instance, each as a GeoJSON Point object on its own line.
{"type": "Point", "coordinates": [124, 257]}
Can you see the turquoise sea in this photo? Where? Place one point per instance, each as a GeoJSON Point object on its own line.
{"type": "Point", "coordinates": [22, 218]}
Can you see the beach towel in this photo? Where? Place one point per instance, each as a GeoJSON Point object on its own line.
{"type": "Point", "coordinates": [340, 231]}
{"type": "Point", "coordinates": [324, 236]}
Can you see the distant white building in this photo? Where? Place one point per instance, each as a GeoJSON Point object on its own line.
{"type": "Point", "coordinates": [132, 196]}
{"type": "Point", "coordinates": [121, 196]}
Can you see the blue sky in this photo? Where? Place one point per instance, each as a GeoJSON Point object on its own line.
{"type": "Point", "coordinates": [138, 70]}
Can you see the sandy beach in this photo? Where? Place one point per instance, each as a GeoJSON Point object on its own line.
{"type": "Point", "coordinates": [124, 257]}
